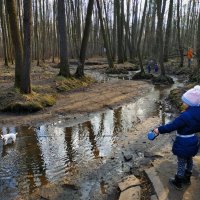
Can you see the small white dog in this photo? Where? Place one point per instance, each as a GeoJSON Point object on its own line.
{"type": "Point", "coordinates": [9, 136]}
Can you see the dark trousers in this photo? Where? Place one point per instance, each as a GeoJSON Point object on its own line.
{"type": "Point", "coordinates": [184, 164]}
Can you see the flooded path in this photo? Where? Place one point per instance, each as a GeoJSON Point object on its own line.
{"type": "Point", "coordinates": [48, 153]}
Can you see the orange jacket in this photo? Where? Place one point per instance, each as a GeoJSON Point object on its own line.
{"type": "Point", "coordinates": [189, 54]}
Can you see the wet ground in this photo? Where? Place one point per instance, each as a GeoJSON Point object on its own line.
{"type": "Point", "coordinates": [85, 155]}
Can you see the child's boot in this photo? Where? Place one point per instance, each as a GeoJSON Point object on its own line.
{"type": "Point", "coordinates": [176, 182]}
{"type": "Point", "coordinates": [186, 179]}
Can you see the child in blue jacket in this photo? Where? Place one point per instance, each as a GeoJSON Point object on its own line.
{"type": "Point", "coordinates": [186, 144]}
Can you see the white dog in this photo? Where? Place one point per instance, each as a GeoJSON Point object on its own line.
{"type": "Point", "coordinates": [9, 136]}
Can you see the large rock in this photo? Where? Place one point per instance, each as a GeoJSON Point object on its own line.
{"type": "Point", "coordinates": [133, 193]}
{"type": "Point", "coordinates": [128, 182]}
{"type": "Point", "coordinates": [157, 184]}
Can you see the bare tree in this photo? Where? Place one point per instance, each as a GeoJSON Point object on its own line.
{"type": "Point", "coordinates": [198, 46]}
{"type": "Point", "coordinates": [80, 68]}
{"type": "Point", "coordinates": [16, 39]}
{"type": "Point", "coordinates": [3, 27]}
{"type": "Point", "coordinates": [179, 35]}
{"type": "Point", "coordinates": [106, 43]}
{"type": "Point", "coordinates": [26, 79]}
{"type": "Point", "coordinates": [159, 33]}
{"type": "Point", "coordinates": [120, 52]}
{"type": "Point", "coordinates": [64, 64]}
{"type": "Point", "coordinates": [140, 37]}
{"type": "Point", "coordinates": [168, 31]}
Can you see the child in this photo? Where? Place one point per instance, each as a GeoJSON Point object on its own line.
{"type": "Point", "coordinates": [156, 68]}
{"type": "Point", "coordinates": [189, 56]}
{"type": "Point", "coordinates": [186, 143]}
{"type": "Point", "coordinates": [149, 68]}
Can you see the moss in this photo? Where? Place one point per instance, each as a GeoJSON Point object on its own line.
{"type": "Point", "coordinates": [22, 107]}
{"type": "Point", "coordinates": [141, 75]}
{"type": "Point", "coordinates": [12, 101]}
{"type": "Point", "coordinates": [175, 97]}
{"type": "Point", "coordinates": [46, 100]}
{"type": "Point", "coordinates": [166, 80]}
{"type": "Point", "coordinates": [116, 71]}
{"type": "Point", "coordinates": [65, 84]}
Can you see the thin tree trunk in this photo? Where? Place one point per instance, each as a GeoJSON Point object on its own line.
{"type": "Point", "coordinates": [3, 33]}
{"type": "Point", "coordinates": [114, 32]}
{"type": "Point", "coordinates": [168, 31]}
{"type": "Point", "coordinates": [198, 45]}
{"type": "Point", "coordinates": [159, 33]}
{"type": "Point", "coordinates": [179, 35]}
{"type": "Point", "coordinates": [106, 44]}
{"type": "Point", "coordinates": [54, 31]}
{"type": "Point", "coordinates": [140, 37]}
{"type": "Point", "coordinates": [119, 34]}
{"type": "Point", "coordinates": [36, 34]}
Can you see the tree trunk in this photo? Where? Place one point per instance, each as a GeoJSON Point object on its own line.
{"type": "Point", "coordinates": [114, 32]}
{"type": "Point", "coordinates": [140, 37]}
{"type": "Point", "coordinates": [26, 79]}
{"type": "Point", "coordinates": [80, 68]}
{"type": "Point", "coordinates": [36, 34]}
{"type": "Point", "coordinates": [198, 45]}
{"type": "Point", "coordinates": [54, 31]}
{"type": "Point", "coordinates": [64, 64]}
{"type": "Point", "coordinates": [179, 35]}
{"type": "Point", "coordinates": [3, 33]}
{"type": "Point", "coordinates": [120, 53]}
{"type": "Point", "coordinates": [106, 44]}
{"type": "Point", "coordinates": [159, 33]}
{"type": "Point", "coordinates": [168, 31]}
{"type": "Point", "coordinates": [16, 39]}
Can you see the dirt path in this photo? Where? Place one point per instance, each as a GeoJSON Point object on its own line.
{"type": "Point", "coordinates": [95, 98]}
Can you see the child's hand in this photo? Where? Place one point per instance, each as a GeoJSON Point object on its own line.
{"type": "Point", "coordinates": [156, 131]}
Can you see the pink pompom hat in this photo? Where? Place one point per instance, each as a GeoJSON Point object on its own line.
{"type": "Point", "coordinates": [192, 96]}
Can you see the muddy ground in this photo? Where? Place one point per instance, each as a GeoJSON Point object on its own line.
{"type": "Point", "coordinates": [81, 101]}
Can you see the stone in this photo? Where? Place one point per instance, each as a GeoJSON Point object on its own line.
{"type": "Point", "coordinates": [157, 184]}
{"type": "Point", "coordinates": [127, 157]}
{"type": "Point", "coordinates": [128, 181]}
{"type": "Point", "coordinates": [133, 193]}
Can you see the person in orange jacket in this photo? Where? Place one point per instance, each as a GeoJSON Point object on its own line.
{"type": "Point", "coordinates": [189, 56]}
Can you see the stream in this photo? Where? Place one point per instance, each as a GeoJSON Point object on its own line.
{"type": "Point", "coordinates": [48, 153]}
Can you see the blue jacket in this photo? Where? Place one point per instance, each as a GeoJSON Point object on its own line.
{"type": "Point", "coordinates": [186, 124]}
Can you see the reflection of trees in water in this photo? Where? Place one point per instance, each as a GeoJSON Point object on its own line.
{"type": "Point", "coordinates": [51, 141]}
{"type": "Point", "coordinates": [69, 142]}
{"type": "Point", "coordinates": [92, 139]}
{"type": "Point", "coordinates": [33, 162]}
{"type": "Point", "coordinates": [100, 132]}
{"type": "Point", "coordinates": [117, 121]}
{"type": "Point", "coordinates": [105, 141]}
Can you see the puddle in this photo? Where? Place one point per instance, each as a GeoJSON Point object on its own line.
{"type": "Point", "coordinates": [46, 154]}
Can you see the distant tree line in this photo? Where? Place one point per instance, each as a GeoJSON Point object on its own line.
{"type": "Point", "coordinates": [127, 30]}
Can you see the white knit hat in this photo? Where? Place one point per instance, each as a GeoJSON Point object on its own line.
{"type": "Point", "coordinates": [192, 96]}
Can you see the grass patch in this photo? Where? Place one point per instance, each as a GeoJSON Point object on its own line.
{"type": "Point", "coordinates": [13, 101]}
{"type": "Point", "coordinates": [65, 84]}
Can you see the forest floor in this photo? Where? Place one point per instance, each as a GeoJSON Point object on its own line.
{"type": "Point", "coordinates": [79, 101]}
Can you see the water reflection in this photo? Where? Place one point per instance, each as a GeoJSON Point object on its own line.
{"type": "Point", "coordinates": [46, 153]}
